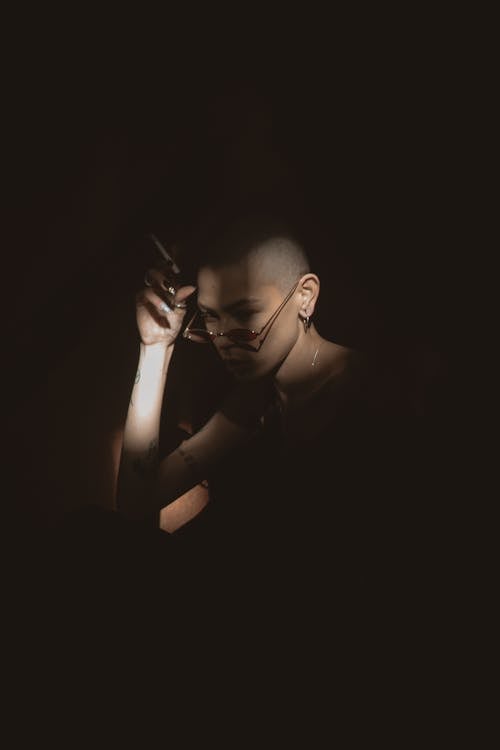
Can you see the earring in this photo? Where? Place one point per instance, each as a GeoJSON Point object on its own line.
{"type": "Point", "coordinates": [307, 323]}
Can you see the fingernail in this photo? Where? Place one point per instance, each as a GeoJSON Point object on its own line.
{"type": "Point", "coordinates": [165, 308]}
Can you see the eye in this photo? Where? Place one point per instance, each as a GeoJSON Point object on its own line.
{"type": "Point", "coordinates": [245, 315]}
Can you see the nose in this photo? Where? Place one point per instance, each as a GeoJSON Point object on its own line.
{"type": "Point", "coordinates": [222, 343]}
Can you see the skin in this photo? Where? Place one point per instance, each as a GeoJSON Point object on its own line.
{"type": "Point", "coordinates": [288, 351]}
{"type": "Point", "coordinates": [286, 356]}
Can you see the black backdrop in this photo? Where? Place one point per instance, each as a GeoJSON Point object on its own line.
{"type": "Point", "coordinates": [116, 127]}
{"type": "Point", "coordinates": [116, 124]}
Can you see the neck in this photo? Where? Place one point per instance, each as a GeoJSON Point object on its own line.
{"type": "Point", "coordinates": [304, 366]}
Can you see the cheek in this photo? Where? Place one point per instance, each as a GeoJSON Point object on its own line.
{"type": "Point", "coordinates": [278, 344]}
{"type": "Point", "coordinates": [283, 337]}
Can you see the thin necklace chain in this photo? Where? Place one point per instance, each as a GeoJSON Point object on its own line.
{"type": "Point", "coordinates": [281, 408]}
{"type": "Point", "coordinates": [313, 363]}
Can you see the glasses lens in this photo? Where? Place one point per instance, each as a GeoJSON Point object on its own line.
{"type": "Point", "coordinates": [241, 335]}
{"type": "Point", "coordinates": [198, 335]}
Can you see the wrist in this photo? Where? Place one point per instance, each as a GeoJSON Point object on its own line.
{"type": "Point", "coordinates": [159, 346]}
{"type": "Point", "coordinates": [159, 352]}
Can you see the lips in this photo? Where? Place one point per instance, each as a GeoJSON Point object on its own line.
{"type": "Point", "coordinates": [234, 362]}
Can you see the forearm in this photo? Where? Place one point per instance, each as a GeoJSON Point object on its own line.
{"type": "Point", "coordinates": [139, 456]}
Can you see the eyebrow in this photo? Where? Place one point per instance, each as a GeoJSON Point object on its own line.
{"type": "Point", "coordinates": [233, 306]}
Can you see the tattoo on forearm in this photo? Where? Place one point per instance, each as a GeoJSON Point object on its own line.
{"type": "Point", "coordinates": [146, 463]}
{"type": "Point", "coordinates": [136, 380]}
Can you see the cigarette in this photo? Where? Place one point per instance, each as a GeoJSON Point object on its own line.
{"type": "Point", "coordinates": [168, 258]}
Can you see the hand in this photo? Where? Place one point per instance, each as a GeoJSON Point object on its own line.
{"type": "Point", "coordinates": [161, 306]}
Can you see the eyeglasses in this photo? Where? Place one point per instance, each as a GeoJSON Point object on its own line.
{"type": "Point", "coordinates": [241, 336]}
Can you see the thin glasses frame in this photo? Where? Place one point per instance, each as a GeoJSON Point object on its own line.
{"type": "Point", "coordinates": [240, 336]}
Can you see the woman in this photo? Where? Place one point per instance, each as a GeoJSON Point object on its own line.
{"type": "Point", "coordinates": [296, 453]}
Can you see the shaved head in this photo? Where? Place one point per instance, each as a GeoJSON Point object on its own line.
{"type": "Point", "coordinates": [278, 260]}
{"type": "Point", "coordinates": [253, 277]}
{"type": "Point", "coordinates": [268, 240]}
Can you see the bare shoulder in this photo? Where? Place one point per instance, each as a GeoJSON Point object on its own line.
{"type": "Point", "coordinates": [327, 393]}
{"type": "Point", "coordinates": [340, 366]}
{"type": "Point", "coordinates": [350, 379]}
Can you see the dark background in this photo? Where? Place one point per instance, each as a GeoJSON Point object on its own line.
{"type": "Point", "coordinates": [118, 124]}
{"type": "Point", "coordinates": [117, 127]}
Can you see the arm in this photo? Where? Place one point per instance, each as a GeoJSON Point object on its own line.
{"type": "Point", "coordinates": [139, 454]}
{"type": "Point", "coordinates": [180, 475]}
{"type": "Point", "coordinates": [242, 407]}
{"type": "Point", "coordinates": [145, 486]}
{"type": "Point", "coordinates": [174, 485]}
{"type": "Point", "coordinates": [159, 324]}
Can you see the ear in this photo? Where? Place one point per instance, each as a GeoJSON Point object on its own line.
{"type": "Point", "coordinates": [309, 292]}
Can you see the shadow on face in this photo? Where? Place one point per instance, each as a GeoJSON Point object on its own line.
{"type": "Point", "coordinates": [239, 298]}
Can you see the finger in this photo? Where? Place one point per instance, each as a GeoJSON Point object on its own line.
{"type": "Point", "coordinates": [181, 296]}
{"type": "Point", "coordinates": [161, 280]}
{"type": "Point", "coordinates": [148, 297]}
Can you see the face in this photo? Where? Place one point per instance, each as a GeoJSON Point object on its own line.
{"type": "Point", "coordinates": [237, 297]}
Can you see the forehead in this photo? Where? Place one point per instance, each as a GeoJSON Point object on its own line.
{"type": "Point", "coordinates": [231, 282]}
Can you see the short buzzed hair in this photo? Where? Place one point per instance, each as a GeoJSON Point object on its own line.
{"type": "Point", "coordinates": [273, 237]}
{"type": "Point", "coordinates": [280, 260]}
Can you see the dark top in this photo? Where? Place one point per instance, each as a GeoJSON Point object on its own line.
{"type": "Point", "coordinates": [323, 510]}
{"type": "Point", "coordinates": [311, 546]}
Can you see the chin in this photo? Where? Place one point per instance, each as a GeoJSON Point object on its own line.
{"type": "Point", "coordinates": [245, 370]}
{"type": "Point", "coordinates": [244, 376]}
{"type": "Point", "coordinates": [242, 372]}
